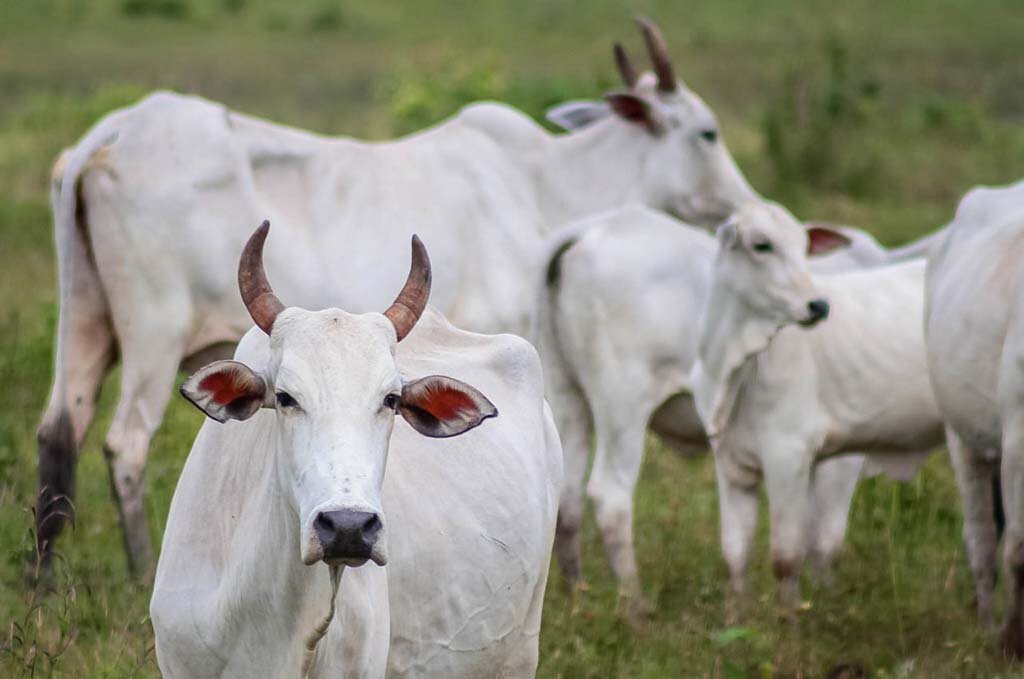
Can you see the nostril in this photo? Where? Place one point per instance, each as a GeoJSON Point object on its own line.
{"type": "Point", "coordinates": [370, 529]}
{"type": "Point", "coordinates": [818, 308]}
{"type": "Point", "coordinates": [324, 525]}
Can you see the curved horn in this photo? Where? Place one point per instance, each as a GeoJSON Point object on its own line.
{"type": "Point", "coordinates": [626, 69]}
{"type": "Point", "coordinates": [659, 54]}
{"type": "Point", "coordinates": [259, 297]}
{"type": "Point", "coordinates": [412, 300]}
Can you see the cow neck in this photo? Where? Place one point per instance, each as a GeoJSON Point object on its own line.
{"type": "Point", "coordinates": [731, 338]}
{"type": "Point", "coordinates": [591, 170]}
{"type": "Point", "coordinates": [269, 580]}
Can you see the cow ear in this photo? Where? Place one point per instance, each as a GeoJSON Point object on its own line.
{"type": "Point", "coordinates": [226, 390]}
{"type": "Point", "coordinates": [575, 115]}
{"type": "Point", "coordinates": [440, 407]}
{"type": "Point", "coordinates": [633, 108]}
{"type": "Point", "coordinates": [822, 240]}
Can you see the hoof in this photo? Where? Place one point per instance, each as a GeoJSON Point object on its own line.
{"type": "Point", "coordinates": [1012, 639]}
{"type": "Point", "coordinates": [736, 608]}
{"type": "Point", "coordinates": [635, 610]}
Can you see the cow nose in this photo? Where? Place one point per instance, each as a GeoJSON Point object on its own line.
{"type": "Point", "coordinates": [347, 533]}
{"type": "Point", "coordinates": [818, 309]}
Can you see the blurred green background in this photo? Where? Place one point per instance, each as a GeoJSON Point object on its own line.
{"type": "Point", "coordinates": [876, 114]}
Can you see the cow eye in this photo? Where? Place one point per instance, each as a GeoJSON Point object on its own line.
{"type": "Point", "coordinates": [285, 400]}
{"type": "Point", "coordinates": [710, 136]}
{"type": "Point", "coordinates": [391, 402]}
{"type": "Point", "coordinates": [763, 246]}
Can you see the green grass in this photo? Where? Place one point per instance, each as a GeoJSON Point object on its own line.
{"type": "Point", "coordinates": [878, 115]}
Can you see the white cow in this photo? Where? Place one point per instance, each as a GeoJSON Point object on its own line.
{"type": "Point", "coordinates": [157, 196]}
{"type": "Point", "coordinates": [776, 399]}
{"type": "Point", "coordinates": [617, 330]}
{"type": "Point", "coordinates": [264, 570]}
{"type": "Point", "coordinates": [974, 330]}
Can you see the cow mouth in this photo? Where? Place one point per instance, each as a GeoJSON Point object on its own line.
{"type": "Point", "coordinates": [347, 561]}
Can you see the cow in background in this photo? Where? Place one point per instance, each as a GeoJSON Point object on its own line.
{"type": "Point", "coordinates": [157, 196]}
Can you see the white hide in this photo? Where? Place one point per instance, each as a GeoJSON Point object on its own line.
{"type": "Point", "coordinates": [617, 328]}
{"type": "Point", "coordinates": [975, 336]}
{"type": "Point", "coordinates": [469, 526]}
{"type": "Point", "coordinates": [171, 187]}
{"type": "Point", "coordinates": [777, 399]}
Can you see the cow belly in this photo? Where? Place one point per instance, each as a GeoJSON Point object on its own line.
{"type": "Point", "coordinates": [677, 424]}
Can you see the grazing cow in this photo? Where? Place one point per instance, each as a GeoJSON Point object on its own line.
{"type": "Point", "coordinates": [617, 331]}
{"type": "Point", "coordinates": [157, 196]}
{"type": "Point", "coordinates": [265, 566]}
{"type": "Point", "coordinates": [974, 332]}
{"type": "Point", "coordinates": [776, 399]}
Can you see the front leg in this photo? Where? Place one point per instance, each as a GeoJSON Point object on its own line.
{"type": "Point", "coordinates": [737, 503]}
{"type": "Point", "coordinates": [787, 474]}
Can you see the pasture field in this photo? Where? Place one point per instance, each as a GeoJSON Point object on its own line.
{"type": "Point", "coordinates": [875, 114]}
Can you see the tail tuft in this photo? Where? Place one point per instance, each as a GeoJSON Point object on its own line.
{"type": "Point", "coordinates": [56, 483]}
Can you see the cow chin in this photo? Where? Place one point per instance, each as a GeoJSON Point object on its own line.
{"type": "Point", "coordinates": [699, 213]}
{"type": "Point", "coordinates": [810, 321]}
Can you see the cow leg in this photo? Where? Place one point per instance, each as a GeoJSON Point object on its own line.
{"type": "Point", "coordinates": [738, 517]}
{"type": "Point", "coordinates": [788, 484]}
{"type": "Point", "coordinates": [147, 381]}
{"type": "Point", "coordinates": [85, 351]}
{"type": "Point", "coordinates": [833, 484]}
{"type": "Point", "coordinates": [619, 451]}
{"type": "Point", "coordinates": [573, 422]}
{"type": "Point", "coordinates": [974, 478]}
{"type": "Point", "coordinates": [1013, 502]}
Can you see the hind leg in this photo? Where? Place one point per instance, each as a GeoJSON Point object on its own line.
{"type": "Point", "coordinates": [1013, 549]}
{"type": "Point", "coordinates": [832, 486]}
{"type": "Point", "coordinates": [146, 383]}
{"type": "Point", "coordinates": [974, 479]}
{"type": "Point", "coordinates": [573, 420]}
{"type": "Point", "coordinates": [83, 360]}
{"type": "Point", "coordinates": [619, 451]}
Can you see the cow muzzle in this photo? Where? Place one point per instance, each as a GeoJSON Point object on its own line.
{"type": "Point", "coordinates": [349, 537]}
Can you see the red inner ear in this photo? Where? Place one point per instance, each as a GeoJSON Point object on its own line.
{"type": "Point", "coordinates": [223, 387]}
{"type": "Point", "coordinates": [629, 107]}
{"type": "Point", "coordinates": [821, 240]}
{"type": "Point", "coordinates": [445, 404]}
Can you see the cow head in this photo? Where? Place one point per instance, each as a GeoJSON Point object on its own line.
{"type": "Point", "coordinates": [690, 172]}
{"type": "Point", "coordinates": [762, 260]}
{"type": "Point", "coordinates": [334, 383]}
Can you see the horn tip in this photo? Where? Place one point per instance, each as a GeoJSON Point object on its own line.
{"type": "Point", "coordinates": [418, 246]}
{"type": "Point", "coordinates": [260, 234]}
